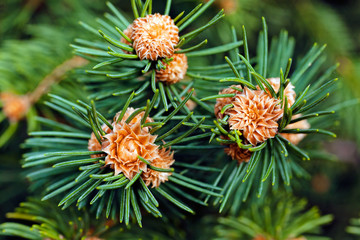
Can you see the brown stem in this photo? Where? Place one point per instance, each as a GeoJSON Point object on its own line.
{"type": "Point", "coordinates": [55, 77]}
{"type": "Point", "coordinates": [33, 4]}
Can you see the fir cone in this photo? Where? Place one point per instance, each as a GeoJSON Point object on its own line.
{"type": "Point", "coordinates": [288, 92]}
{"type": "Point", "coordinates": [320, 183]}
{"type": "Point", "coordinates": [229, 6]}
{"type": "Point", "coordinates": [125, 143]}
{"type": "Point", "coordinates": [295, 138]}
{"type": "Point", "coordinates": [94, 145]}
{"type": "Point", "coordinates": [238, 154]}
{"type": "Point", "coordinates": [137, 118]}
{"type": "Point", "coordinates": [154, 36]}
{"type": "Point", "coordinates": [128, 32]}
{"type": "Point", "coordinates": [164, 160]}
{"type": "Point", "coordinates": [190, 104]}
{"type": "Point", "coordinates": [175, 70]}
{"type": "Point", "coordinates": [15, 107]}
{"type": "Point", "coordinates": [255, 113]}
{"type": "Point", "coordinates": [222, 102]}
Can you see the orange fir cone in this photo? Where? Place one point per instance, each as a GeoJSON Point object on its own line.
{"type": "Point", "coordinates": [164, 160]}
{"type": "Point", "coordinates": [320, 183]}
{"type": "Point", "coordinates": [255, 113]}
{"type": "Point", "coordinates": [94, 145]}
{"type": "Point", "coordinates": [137, 118]}
{"type": "Point", "coordinates": [128, 32]}
{"type": "Point", "coordinates": [175, 70]}
{"type": "Point", "coordinates": [295, 138]}
{"type": "Point", "coordinates": [236, 153]}
{"type": "Point", "coordinates": [222, 102]}
{"type": "Point", "coordinates": [125, 143]}
{"type": "Point", "coordinates": [15, 107]}
{"type": "Point", "coordinates": [229, 6]}
{"type": "Point", "coordinates": [154, 36]}
{"type": "Point", "coordinates": [190, 104]}
{"type": "Point", "coordinates": [239, 154]}
{"type": "Point", "coordinates": [289, 90]}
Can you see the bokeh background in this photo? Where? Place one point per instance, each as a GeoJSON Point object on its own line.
{"type": "Point", "coordinates": [35, 37]}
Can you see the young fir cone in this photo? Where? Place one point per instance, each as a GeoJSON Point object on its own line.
{"type": "Point", "coordinates": [222, 102]}
{"type": "Point", "coordinates": [255, 113]}
{"type": "Point", "coordinates": [238, 154]}
{"type": "Point", "coordinates": [295, 138]}
{"type": "Point", "coordinates": [15, 107]}
{"type": "Point", "coordinates": [128, 31]}
{"type": "Point", "coordinates": [135, 119]}
{"type": "Point", "coordinates": [175, 70]}
{"type": "Point", "coordinates": [164, 160]}
{"type": "Point", "coordinates": [154, 36]}
{"type": "Point", "coordinates": [229, 6]}
{"type": "Point", "coordinates": [288, 92]}
{"type": "Point", "coordinates": [94, 145]}
{"type": "Point", "coordinates": [127, 141]}
{"type": "Point", "coordinates": [190, 104]}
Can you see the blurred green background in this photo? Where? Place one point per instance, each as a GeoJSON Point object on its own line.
{"type": "Point", "coordinates": [334, 186]}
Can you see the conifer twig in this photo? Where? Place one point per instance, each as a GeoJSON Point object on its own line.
{"type": "Point", "coordinates": [55, 77]}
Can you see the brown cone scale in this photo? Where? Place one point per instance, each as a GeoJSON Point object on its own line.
{"type": "Point", "coordinates": [127, 141]}
{"type": "Point", "coordinates": [175, 70]}
{"type": "Point", "coordinates": [255, 113]}
{"type": "Point", "coordinates": [154, 36]}
{"type": "Point", "coordinates": [222, 102]}
{"type": "Point", "coordinates": [15, 107]}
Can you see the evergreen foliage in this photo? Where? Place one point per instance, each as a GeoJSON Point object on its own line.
{"type": "Point", "coordinates": [126, 71]}
{"type": "Point", "coordinates": [275, 218]}
{"type": "Point", "coordinates": [56, 162]}
{"type": "Point", "coordinates": [354, 227]}
{"type": "Point", "coordinates": [278, 157]}
{"type": "Point", "coordinates": [22, 76]}
{"type": "Point", "coordinates": [194, 151]}
{"type": "Point", "coordinates": [46, 221]}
